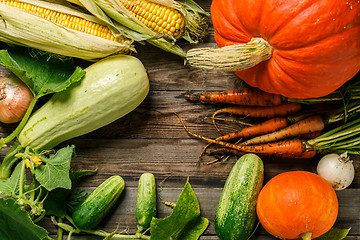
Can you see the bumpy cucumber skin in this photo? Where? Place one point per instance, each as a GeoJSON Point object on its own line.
{"type": "Point", "coordinates": [146, 201]}
{"type": "Point", "coordinates": [111, 88]}
{"type": "Point", "coordinates": [235, 217]}
{"type": "Point", "coordinates": [98, 203]}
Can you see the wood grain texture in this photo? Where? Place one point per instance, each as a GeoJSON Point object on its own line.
{"type": "Point", "coordinates": [151, 139]}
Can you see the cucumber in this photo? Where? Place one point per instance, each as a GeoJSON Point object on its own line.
{"type": "Point", "coordinates": [235, 217]}
{"type": "Point", "coordinates": [146, 201]}
{"type": "Point", "coordinates": [111, 88]}
{"type": "Point", "coordinates": [98, 203]}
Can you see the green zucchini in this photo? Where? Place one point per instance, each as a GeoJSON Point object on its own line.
{"type": "Point", "coordinates": [235, 217]}
{"type": "Point", "coordinates": [98, 203]}
{"type": "Point", "coordinates": [111, 88]}
{"type": "Point", "coordinates": [146, 201]}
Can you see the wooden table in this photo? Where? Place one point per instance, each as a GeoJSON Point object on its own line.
{"type": "Point", "coordinates": [151, 139]}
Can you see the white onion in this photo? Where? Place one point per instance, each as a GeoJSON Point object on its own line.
{"type": "Point", "coordinates": [338, 170]}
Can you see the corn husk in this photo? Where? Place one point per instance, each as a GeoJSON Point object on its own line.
{"type": "Point", "coordinates": [116, 15]}
{"type": "Point", "coordinates": [22, 28]}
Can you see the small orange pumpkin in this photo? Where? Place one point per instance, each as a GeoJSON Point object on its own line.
{"type": "Point", "coordinates": [297, 204]}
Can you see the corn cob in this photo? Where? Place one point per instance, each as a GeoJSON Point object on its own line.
{"type": "Point", "coordinates": [58, 29]}
{"type": "Point", "coordinates": [66, 20]}
{"type": "Point", "coordinates": [162, 22]}
{"type": "Point", "coordinates": [161, 19]}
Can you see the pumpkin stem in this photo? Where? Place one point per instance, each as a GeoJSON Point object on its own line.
{"type": "Point", "coordinates": [231, 58]}
{"type": "Point", "coordinates": [306, 236]}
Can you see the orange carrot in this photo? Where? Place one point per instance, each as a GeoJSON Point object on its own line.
{"type": "Point", "coordinates": [293, 146]}
{"type": "Point", "coordinates": [283, 109]}
{"type": "Point", "coordinates": [267, 126]}
{"type": "Point", "coordinates": [310, 124]}
{"type": "Point", "coordinates": [243, 96]}
{"type": "Point", "coordinates": [306, 154]}
{"type": "Point", "coordinates": [311, 135]}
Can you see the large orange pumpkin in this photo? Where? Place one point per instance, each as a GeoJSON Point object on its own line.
{"type": "Point", "coordinates": [294, 204]}
{"type": "Point", "coordinates": [315, 44]}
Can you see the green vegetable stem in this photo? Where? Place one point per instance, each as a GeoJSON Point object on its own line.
{"type": "Point", "coordinates": [16, 132]}
{"type": "Point", "coordinates": [43, 166]}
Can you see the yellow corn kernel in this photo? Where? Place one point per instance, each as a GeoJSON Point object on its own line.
{"type": "Point", "coordinates": [157, 17]}
{"type": "Point", "coordinates": [66, 20]}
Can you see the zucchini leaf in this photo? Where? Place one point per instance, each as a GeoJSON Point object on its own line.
{"type": "Point", "coordinates": [193, 229]}
{"type": "Point", "coordinates": [11, 185]}
{"type": "Point", "coordinates": [42, 72]}
{"type": "Point", "coordinates": [76, 198]}
{"type": "Point", "coordinates": [184, 223]}
{"type": "Point", "coordinates": [16, 223]}
{"type": "Point", "coordinates": [54, 172]}
{"type": "Point", "coordinates": [55, 202]}
{"type": "Point", "coordinates": [59, 200]}
{"type": "Point", "coordinates": [334, 234]}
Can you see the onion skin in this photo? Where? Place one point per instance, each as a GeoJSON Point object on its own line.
{"type": "Point", "coordinates": [295, 203]}
{"type": "Point", "coordinates": [15, 98]}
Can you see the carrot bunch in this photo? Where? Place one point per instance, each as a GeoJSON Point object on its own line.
{"type": "Point", "coordinates": [290, 128]}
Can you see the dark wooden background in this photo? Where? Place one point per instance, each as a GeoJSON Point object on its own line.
{"type": "Point", "coordinates": [151, 139]}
